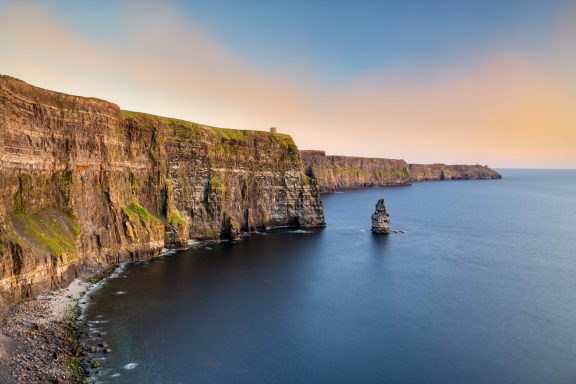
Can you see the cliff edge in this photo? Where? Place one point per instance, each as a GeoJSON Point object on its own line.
{"type": "Point", "coordinates": [340, 172]}
{"type": "Point", "coordinates": [85, 182]}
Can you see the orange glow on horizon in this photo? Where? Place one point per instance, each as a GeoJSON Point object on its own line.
{"type": "Point", "coordinates": [505, 109]}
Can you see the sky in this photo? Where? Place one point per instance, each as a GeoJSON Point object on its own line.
{"type": "Point", "coordinates": [454, 81]}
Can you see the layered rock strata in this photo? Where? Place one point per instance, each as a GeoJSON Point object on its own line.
{"type": "Point", "coordinates": [340, 172]}
{"type": "Point", "coordinates": [84, 182]}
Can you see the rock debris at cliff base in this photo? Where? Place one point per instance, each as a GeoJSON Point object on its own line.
{"type": "Point", "coordinates": [43, 344]}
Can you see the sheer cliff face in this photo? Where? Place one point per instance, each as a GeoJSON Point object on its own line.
{"type": "Point", "coordinates": [337, 172]}
{"type": "Point", "coordinates": [83, 181]}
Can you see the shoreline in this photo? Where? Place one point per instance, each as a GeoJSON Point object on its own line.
{"type": "Point", "coordinates": [40, 338]}
{"type": "Point", "coordinates": [41, 335]}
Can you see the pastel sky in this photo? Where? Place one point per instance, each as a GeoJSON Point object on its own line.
{"type": "Point", "coordinates": [455, 81]}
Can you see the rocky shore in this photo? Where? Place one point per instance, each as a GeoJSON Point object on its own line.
{"type": "Point", "coordinates": [40, 336]}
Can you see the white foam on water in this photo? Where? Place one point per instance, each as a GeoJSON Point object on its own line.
{"type": "Point", "coordinates": [119, 293]}
{"type": "Point", "coordinates": [130, 366]}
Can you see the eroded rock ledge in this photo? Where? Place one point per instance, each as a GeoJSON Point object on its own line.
{"type": "Point", "coordinates": [84, 182]}
{"type": "Point", "coordinates": [340, 172]}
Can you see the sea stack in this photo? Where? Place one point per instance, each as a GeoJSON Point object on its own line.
{"type": "Point", "coordinates": [380, 219]}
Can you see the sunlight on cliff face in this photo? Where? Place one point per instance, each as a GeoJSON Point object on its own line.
{"type": "Point", "coordinates": [503, 107]}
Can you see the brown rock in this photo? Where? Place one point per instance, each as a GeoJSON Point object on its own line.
{"type": "Point", "coordinates": [380, 219]}
{"type": "Point", "coordinates": [120, 186]}
{"type": "Point", "coordinates": [339, 172]}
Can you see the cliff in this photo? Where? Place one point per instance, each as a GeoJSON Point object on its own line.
{"type": "Point", "coordinates": [420, 172]}
{"type": "Point", "coordinates": [84, 182]}
{"type": "Point", "coordinates": [337, 172]}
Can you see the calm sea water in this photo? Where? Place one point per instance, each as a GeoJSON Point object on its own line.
{"type": "Point", "coordinates": [480, 289]}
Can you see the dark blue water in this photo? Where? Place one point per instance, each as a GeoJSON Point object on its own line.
{"type": "Point", "coordinates": [480, 289]}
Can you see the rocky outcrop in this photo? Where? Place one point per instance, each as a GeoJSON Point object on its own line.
{"type": "Point", "coordinates": [84, 182]}
{"type": "Point", "coordinates": [420, 172]}
{"type": "Point", "coordinates": [339, 172]}
{"type": "Point", "coordinates": [380, 219]}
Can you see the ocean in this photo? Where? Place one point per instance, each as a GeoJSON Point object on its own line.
{"type": "Point", "coordinates": [481, 288]}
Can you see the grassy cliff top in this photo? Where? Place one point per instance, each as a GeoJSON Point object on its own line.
{"type": "Point", "coordinates": [227, 134]}
{"type": "Point", "coordinates": [182, 129]}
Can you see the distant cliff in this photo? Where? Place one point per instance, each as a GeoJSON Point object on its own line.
{"type": "Point", "coordinates": [420, 172]}
{"type": "Point", "coordinates": [84, 182]}
{"type": "Point", "coordinates": [337, 172]}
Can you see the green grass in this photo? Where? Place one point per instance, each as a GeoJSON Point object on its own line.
{"type": "Point", "coordinates": [226, 134]}
{"type": "Point", "coordinates": [227, 141]}
{"type": "Point", "coordinates": [149, 118]}
{"type": "Point", "coordinates": [231, 134]}
{"type": "Point", "coordinates": [135, 211]}
{"type": "Point", "coordinates": [49, 229]}
{"type": "Point", "coordinates": [284, 140]}
{"type": "Point", "coordinates": [175, 219]}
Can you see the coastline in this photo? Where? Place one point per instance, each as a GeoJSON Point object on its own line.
{"type": "Point", "coordinates": [41, 335]}
{"type": "Point", "coordinates": [41, 338]}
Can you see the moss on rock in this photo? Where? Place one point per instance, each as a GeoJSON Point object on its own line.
{"type": "Point", "coordinates": [50, 229]}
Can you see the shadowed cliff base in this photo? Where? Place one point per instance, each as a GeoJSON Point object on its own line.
{"type": "Point", "coordinates": [340, 172]}
{"type": "Point", "coordinates": [87, 183]}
